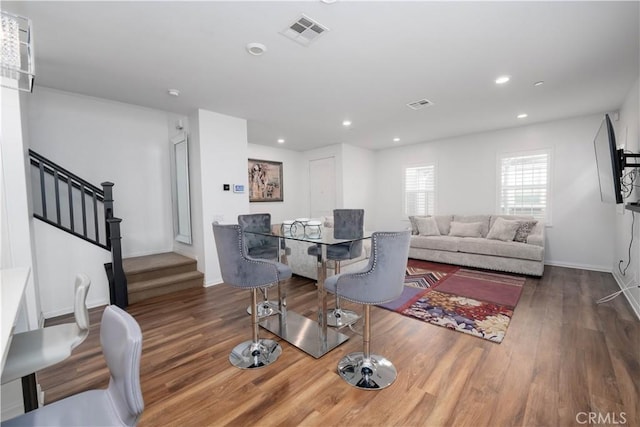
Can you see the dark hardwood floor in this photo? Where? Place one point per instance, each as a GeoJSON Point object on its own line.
{"type": "Point", "coordinates": [563, 357]}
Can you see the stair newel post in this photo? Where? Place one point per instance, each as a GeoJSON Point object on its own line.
{"type": "Point", "coordinates": [118, 284]}
{"type": "Point", "coordinates": [107, 188]}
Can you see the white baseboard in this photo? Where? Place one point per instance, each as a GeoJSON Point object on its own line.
{"type": "Point", "coordinates": [591, 267]}
{"type": "Point", "coordinates": [635, 305]}
{"type": "Point", "coordinates": [62, 312]}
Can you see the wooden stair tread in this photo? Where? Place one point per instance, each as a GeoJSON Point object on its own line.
{"type": "Point", "coordinates": [164, 281]}
{"type": "Point", "coordinates": [141, 264]}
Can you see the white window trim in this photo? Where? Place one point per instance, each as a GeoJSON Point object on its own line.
{"type": "Point", "coordinates": [404, 185]}
{"type": "Point", "coordinates": [549, 153]}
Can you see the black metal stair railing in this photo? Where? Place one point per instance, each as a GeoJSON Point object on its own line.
{"type": "Point", "coordinates": [70, 203]}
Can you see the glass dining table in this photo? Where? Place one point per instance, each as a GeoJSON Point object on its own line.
{"type": "Point", "coordinates": [311, 336]}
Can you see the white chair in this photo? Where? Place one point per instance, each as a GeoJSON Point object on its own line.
{"type": "Point", "coordinates": [35, 350]}
{"type": "Point", "coordinates": [121, 403]}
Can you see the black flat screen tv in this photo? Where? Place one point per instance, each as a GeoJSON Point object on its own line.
{"type": "Point", "coordinates": [610, 163]}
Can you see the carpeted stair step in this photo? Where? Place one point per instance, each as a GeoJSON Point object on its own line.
{"type": "Point", "coordinates": [159, 274]}
{"type": "Point", "coordinates": [143, 268]}
{"type": "Point", "coordinates": [139, 291]}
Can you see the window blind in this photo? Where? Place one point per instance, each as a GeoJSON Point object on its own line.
{"type": "Point", "coordinates": [419, 189]}
{"type": "Point", "coordinates": [524, 185]}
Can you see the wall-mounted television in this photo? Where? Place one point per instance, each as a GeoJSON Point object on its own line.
{"type": "Point", "coordinates": [609, 161]}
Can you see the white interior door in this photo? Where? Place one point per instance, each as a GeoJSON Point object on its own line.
{"type": "Point", "coordinates": [322, 186]}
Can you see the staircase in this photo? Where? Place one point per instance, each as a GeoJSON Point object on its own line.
{"type": "Point", "coordinates": [153, 275]}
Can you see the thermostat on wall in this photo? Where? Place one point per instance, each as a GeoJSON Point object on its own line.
{"type": "Point", "coordinates": [238, 188]}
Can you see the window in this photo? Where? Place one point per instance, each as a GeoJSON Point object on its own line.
{"type": "Point", "coordinates": [524, 184]}
{"type": "Point", "coordinates": [419, 190]}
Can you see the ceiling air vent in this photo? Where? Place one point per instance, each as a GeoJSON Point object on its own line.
{"type": "Point", "coordinates": [304, 30]}
{"type": "Point", "coordinates": [420, 104]}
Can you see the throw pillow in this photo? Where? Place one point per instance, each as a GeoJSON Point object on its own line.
{"type": "Point", "coordinates": [524, 229]}
{"type": "Point", "coordinates": [427, 226]}
{"type": "Point", "coordinates": [466, 229]}
{"type": "Point", "coordinates": [503, 229]}
{"type": "Point", "coordinates": [414, 224]}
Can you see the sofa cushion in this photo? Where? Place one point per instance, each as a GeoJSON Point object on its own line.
{"type": "Point", "coordinates": [499, 248]}
{"type": "Point", "coordinates": [427, 226]}
{"type": "Point", "coordinates": [466, 229]}
{"type": "Point", "coordinates": [503, 229]}
{"type": "Point", "coordinates": [443, 222]}
{"type": "Point", "coordinates": [438, 243]}
{"type": "Point", "coordinates": [484, 219]}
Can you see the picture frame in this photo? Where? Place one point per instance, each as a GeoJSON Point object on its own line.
{"type": "Point", "coordinates": [265, 181]}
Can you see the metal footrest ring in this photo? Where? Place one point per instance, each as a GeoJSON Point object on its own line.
{"type": "Point", "coordinates": [339, 318]}
{"type": "Point", "coordinates": [265, 308]}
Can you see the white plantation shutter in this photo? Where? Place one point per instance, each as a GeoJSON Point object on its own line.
{"type": "Point", "coordinates": [524, 184]}
{"type": "Point", "coordinates": [419, 190]}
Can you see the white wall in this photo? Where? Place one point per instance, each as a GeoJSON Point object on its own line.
{"type": "Point", "coordinates": [627, 134]}
{"type": "Point", "coordinates": [294, 167]}
{"type": "Point", "coordinates": [359, 176]}
{"type": "Point", "coordinates": [219, 153]}
{"type": "Point", "coordinates": [581, 231]}
{"type": "Point", "coordinates": [355, 180]}
{"type": "Point", "coordinates": [57, 269]}
{"type": "Point", "coordinates": [101, 140]}
{"type": "Point", "coordinates": [16, 244]}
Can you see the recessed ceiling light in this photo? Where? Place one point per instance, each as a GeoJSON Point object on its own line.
{"type": "Point", "coordinates": [346, 123]}
{"type": "Point", "coordinates": [396, 139]}
{"type": "Point", "coordinates": [523, 116]}
{"type": "Point", "coordinates": [540, 83]}
{"type": "Point", "coordinates": [502, 80]}
{"type": "Point", "coordinates": [328, 1]}
{"type": "Point", "coordinates": [256, 49]}
{"type": "Point", "coordinates": [173, 92]}
{"type": "Point", "coordinates": [280, 141]}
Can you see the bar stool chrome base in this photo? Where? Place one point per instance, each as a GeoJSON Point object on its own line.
{"type": "Point", "coordinates": [265, 308]}
{"type": "Point", "coordinates": [339, 318]}
{"type": "Point", "coordinates": [374, 374]}
{"type": "Point", "coordinates": [251, 355]}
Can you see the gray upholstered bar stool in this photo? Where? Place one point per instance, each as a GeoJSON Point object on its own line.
{"type": "Point", "coordinates": [347, 224]}
{"type": "Point", "coordinates": [121, 403]}
{"type": "Point", "coordinates": [262, 247]}
{"type": "Point", "coordinates": [381, 281]}
{"type": "Point", "coordinates": [241, 271]}
{"type": "Point", "coordinates": [34, 350]}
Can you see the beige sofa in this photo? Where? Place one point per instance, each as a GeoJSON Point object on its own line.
{"type": "Point", "coordinates": [474, 242]}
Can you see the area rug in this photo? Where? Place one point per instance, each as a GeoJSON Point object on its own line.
{"type": "Point", "coordinates": [474, 302]}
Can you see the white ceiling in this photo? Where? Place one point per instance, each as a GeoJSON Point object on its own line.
{"type": "Point", "coordinates": [375, 58]}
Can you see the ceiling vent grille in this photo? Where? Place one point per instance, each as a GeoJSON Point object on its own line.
{"type": "Point", "coordinates": [420, 104]}
{"type": "Point", "coordinates": [304, 30]}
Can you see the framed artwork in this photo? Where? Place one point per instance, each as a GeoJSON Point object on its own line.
{"type": "Point", "coordinates": [265, 181]}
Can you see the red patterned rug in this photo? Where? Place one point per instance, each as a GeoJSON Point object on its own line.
{"type": "Point", "coordinates": [474, 302]}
